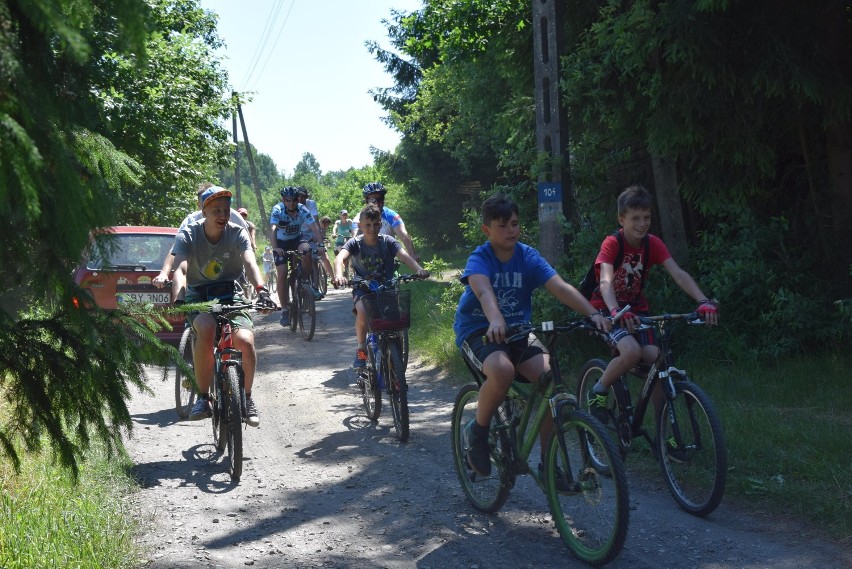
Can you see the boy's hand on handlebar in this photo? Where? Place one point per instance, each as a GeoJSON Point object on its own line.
{"type": "Point", "coordinates": [497, 331]}
{"type": "Point", "coordinates": [264, 301]}
{"type": "Point", "coordinates": [423, 274]}
{"type": "Point", "coordinates": [627, 320]}
{"type": "Point", "coordinates": [602, 323]}
{"type": "Point", "coordinates": [341, 281]}
{"type": "Point", "coordinates": [160, 281]}
{"type": "Point", "coordinates": [708, 311]}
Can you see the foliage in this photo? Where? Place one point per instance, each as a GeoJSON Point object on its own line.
{"type": "Point", "coordinates": [79, 82]}
{"type": "Point", "coordinates": [50, 519]}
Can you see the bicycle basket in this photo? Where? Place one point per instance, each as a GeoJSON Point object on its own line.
{"type": "Point", "coordinates": [388, 310]}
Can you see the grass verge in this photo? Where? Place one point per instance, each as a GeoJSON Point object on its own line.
{"type": "Point", "coordinates": [46, 520]}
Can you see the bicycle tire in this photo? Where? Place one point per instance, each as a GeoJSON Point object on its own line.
{"type": "Point", "coordinates": [370, 392]}
{"type": "Point", "coordinates": [294, 304]}
{"type": "Point", "coordinates": [233, 401]}
{"type": "Point", "coordinates": [696, 469]}
{"type": "Point", "coordinates": [403, 342]}
{"type": "Point", "coordinates": [592, 518]}
{"type": "Point", "coordinates": [398, 391]}
{"type": "Point", "coordinates": [485, 493]}
{"type": "Point", "coordinates": [307, 312]}
{"type": "Point", "coordinates": [220, 420]}
{"type": "Point", "coordinates": [185, 391]}
{"type": "Point", "coordinates": [321, 277]}
{"type": "Point", "coordinates": [589, 376]}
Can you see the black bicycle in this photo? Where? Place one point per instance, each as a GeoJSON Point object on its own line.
{"type": "Point", "coordinates": [303, 308]}
{"type": "Point", "coordinates": [387, 308]}
{"type": "Point", "coordinates": [689, 441]}
{"type": "Point", "coordinates": [582, 475]}
{"type": "Point", "coordinates": [319, 276]}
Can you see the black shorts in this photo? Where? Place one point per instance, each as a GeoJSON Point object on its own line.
{"type": "Point", "coordinates": [475, 349]}
{"type": "Point", "coordinates": [289, 245]}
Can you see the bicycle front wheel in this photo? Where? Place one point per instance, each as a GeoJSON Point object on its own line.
{"type": "Point", "coordinates": [592, 510]}
{"type": "Point", "coordinates": [233, 404]}
{"type": "Point", "coordinates": [322, 278]}
{"type": "Point", "coordinates": [398, 390]}
{"type": "Point", "coordinates": [370, 392]}
{"type": "Point", "coordinates": [486, 493]}
{"type": "Point", "coordinates": [403, 343]}
{"type": "Point", "coordinates": [220, 414]}
{"type": "Point", "coordinates": [307, 312]}
{"type": "Point", "coordinates": [184, 384]}
{"type": "Point", "coordinates": [692, 450]}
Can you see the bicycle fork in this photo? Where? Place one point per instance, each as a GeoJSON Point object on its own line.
{"type": "Point", "coordinates": [557, 406]}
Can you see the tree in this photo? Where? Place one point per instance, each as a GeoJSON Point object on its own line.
{"type": "Point", "coordinates": [74, 154]}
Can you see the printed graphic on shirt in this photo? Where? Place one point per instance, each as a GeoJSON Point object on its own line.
{"type": "Point", "coordinates": [628, 277]}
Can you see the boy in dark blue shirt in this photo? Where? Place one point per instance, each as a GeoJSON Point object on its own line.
{"type": "Point", "coordinates": [500, 277]}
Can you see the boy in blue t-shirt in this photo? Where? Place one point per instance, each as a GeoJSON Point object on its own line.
{"type": "Point", "coordinates": [500, 277]}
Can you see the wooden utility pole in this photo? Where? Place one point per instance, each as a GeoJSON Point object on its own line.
{"type": "Point", "coordinates": [255, 180]}
{"type": "Point", "coordinates": [555, 197]}
{"type": "Point", "coordinates": [237, 166]}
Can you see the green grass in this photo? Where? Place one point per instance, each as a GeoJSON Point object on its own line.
{"type": "Point", "coordinates": [46, 520]}
{"type": "Point", "coordinates": [787, 424]}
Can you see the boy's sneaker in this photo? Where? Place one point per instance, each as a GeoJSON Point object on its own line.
{"type": "Point", "coordinates": [360, 359]}
{"type": "Point", "coordinates": [200, 410]}
{"type": "Point", "coordinates": [477, 451]}
{"type": "Point", "coordinates": [252, 418]}
{"type": "Point", "coordinates": [561, 479]}
{"type": "Point", "coordinates": [599, 406]}
{"type": "Point", "coordinates": [285, 317]}
{"type": "Point", "coordinates": [674, 453]}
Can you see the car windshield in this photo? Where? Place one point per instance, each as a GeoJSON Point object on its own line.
{"type": "Point", "coordinates": [126, 251]}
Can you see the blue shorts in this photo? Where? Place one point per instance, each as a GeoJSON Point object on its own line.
{"type": "Point", "coordinates": [475, 349]}
{"type": "Point", "coordinates": [643, 334]}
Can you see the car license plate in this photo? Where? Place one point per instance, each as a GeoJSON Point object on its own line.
{"type": "Point", "coordinates": [143, 297]}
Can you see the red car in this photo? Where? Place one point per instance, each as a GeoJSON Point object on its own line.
{"type": "Point", "coordinates": [124, 270]}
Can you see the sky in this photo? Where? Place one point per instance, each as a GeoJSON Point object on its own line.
{"type": "Point", "coordinates": [311, 78]}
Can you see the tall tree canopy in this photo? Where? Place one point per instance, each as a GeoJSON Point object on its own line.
{"type": "Point", "coordinates": [108, 112]}
{"type": "Point", "coordinates": [735, 113]}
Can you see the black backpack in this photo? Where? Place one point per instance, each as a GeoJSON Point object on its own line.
{"type": "Point", "coordinates": [590, 284]}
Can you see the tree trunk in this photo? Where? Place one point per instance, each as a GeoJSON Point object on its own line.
{"type": "Point", "coordinates": [669, 206]}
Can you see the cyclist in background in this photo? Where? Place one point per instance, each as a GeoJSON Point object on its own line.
{"type": "Point", "coordinates": [372, 255]}
{"type": "Point", "coordinates": [344, 228]}
{"type": "Point", "coordinates": [317, 245]}
{"type": "Point", "coordinates": [250, 226]}
{"type": "Point", "coordinates": [210, 254]}
{"type": "Point", "coordinates": [285, 231]}
{"type": "Point", "coordinates": [392, 224]}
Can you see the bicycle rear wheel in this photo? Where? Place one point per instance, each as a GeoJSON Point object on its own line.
{"type": "Point", "coordinates": [592, 515]}
{"type": "Point", "coordinates": [370, 392]}
{"type": "Point", "coordinates": [692, 450]}
{"type": "Point", "coordinates": [184, 384]}
{"type": "Point", "coordinates": [486, 493]}
{"type": "Point", "coordinates": [234, 419]}
{"type": "Point", "coordinates": [398, 390]}
{"type": "Point", "coordinates": [589, 376]}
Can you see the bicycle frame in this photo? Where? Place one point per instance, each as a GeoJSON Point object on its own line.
{"type": "Point", "coordinates": [662, 371]}
{"type": "Point", "coordinates": [523, 431]}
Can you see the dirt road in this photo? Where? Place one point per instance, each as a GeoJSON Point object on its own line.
{"type": "Point", "coordinates": [324, 487]}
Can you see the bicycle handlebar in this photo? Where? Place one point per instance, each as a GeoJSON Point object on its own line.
{"type": "Point", "coordinates": [362, 283]}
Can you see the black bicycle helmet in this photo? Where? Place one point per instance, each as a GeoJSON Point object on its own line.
{"type": "Point", "coordinates": [288, 192]}
{"type": "Point", "coordinates": [374, 188]}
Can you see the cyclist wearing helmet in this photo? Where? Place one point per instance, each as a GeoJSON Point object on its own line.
{"type": "Point", "coordinates": [285, 226]}
{"type": "Point", "coordinates": [303, 198]}
{"type": "Point", "coordinates": [392, 224]}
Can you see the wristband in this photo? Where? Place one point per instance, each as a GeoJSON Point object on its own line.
{"type": "Point", "coordinates": [613, 312]}
{"type": "Point", "coordinates": [260, 288]}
